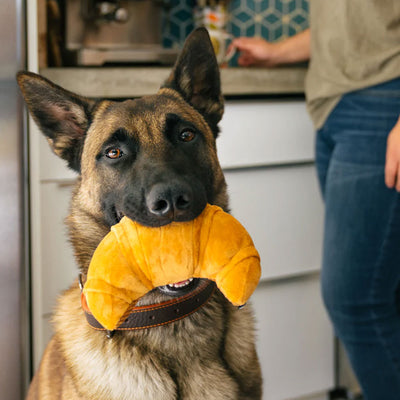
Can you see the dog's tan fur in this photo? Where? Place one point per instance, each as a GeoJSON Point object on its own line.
{"type": "Point", "coordinates": [209, 355]}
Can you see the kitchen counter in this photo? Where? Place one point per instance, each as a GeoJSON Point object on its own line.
{"type": "Point", "coordinates": [113, 82]}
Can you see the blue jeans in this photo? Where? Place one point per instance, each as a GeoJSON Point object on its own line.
{"type": "Point", "coordinates": [361, 256]}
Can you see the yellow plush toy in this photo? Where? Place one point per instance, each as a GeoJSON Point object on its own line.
{"type": "Point", "coordinates": [133, 259]}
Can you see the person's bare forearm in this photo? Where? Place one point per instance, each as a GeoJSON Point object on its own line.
{"type": "Point", "coordinates": [294, 49]}
{"type": "Point", "coordinates": [256, 51]}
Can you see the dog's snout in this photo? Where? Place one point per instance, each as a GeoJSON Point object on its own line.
{"type": "Point", "coordinates": [169, 200]}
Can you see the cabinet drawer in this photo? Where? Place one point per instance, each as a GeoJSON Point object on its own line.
{"type": "Point", "coordinates": [265, 132]}
{"type": "Point", "coordinates": [283, 212]}
{"type": "Point", "coordinates": [295, 339]}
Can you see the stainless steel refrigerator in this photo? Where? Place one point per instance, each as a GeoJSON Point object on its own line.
{"type": "Point", "coordinates": [14, 244]}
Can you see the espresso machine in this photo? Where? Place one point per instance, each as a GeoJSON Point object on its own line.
{"type": "Point", "coordinates": [102, 32]}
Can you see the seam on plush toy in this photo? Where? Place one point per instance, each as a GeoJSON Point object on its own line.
{"type": "Point", "coordinates": [235, 261]}
{"type": "Point", "coordinates": [209, 220]}
{"type": "Point", "coordinates": [101, 292]}
{"type": "Point", "coordinates": [160, 261]}
{"type": "Point", "coordinates": [144, 255]}
{"type": "Point", "coordinates": [131, 261]}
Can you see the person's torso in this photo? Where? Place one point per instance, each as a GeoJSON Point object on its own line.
{"type": "Point", "coordinates": [354, 44]}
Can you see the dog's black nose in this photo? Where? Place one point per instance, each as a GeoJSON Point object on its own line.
{"type": "Point", "coordinates": [169, 199]}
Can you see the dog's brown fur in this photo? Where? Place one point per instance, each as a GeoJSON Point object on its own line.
{"type": "Point", "coordinates": [208, 355]}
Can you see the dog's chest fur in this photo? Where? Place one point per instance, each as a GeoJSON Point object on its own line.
{"type": "Point", "coordinates": [180, 362]}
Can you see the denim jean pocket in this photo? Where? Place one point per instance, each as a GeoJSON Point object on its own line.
{"type": "Point", "coordinates": [359, 114]}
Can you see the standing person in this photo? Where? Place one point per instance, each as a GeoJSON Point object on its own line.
{"type": "Point", "coordinates": [353, 96]}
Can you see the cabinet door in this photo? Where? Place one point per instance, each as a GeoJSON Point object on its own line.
{"type": "Point", "coordinates": [57, 268]}
{"type": "Point", "coordinates": [262, 132]}
{"type": "Point", "coordinates": [295, 339]}
{"type": "Point", "coordinates": [283, 212]}
{"type": "Point", "coordinates": [58, 263]}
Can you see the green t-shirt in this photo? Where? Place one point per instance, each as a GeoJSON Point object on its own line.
{"type": "Point", "coordinates": [354, 44]}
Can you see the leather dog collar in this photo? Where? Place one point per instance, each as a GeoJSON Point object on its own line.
{"type": "Point", "coordinates": [159, 314]}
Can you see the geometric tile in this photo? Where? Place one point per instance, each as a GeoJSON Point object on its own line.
{"type": "Point", "coordinates": [271, 19]}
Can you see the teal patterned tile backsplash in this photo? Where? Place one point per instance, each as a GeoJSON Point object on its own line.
{"type": "Point", "coordinates": [270, 19]}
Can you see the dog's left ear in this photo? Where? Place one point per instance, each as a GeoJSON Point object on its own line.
{"type": "Point", "coordinates": [196, 77]}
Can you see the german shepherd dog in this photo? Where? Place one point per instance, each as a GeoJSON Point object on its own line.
{"type": "Point", "coordinates": [154, 160]}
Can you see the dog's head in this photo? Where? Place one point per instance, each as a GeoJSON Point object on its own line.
{"type": "Point", "coordinates": [152, 159]}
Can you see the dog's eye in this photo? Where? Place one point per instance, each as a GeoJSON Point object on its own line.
{"type": "Point", "coordinates": [114, 153]}
{"type": "Point", "coordinates": [187, 135]}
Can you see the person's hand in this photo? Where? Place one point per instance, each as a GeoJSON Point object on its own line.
{"type": "Point", "coordinates": [392, 166]}
{"type": "Point", "coordinates": [256, 51]}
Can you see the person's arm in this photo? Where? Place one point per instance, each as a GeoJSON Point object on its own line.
{"type": "Point", "coordinates": [392, 166]}
{"type": "Point", "coordinates": [258, 52]}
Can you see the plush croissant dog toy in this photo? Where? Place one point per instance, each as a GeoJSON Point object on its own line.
{"type": "Point", "coordinates": [133, 259]}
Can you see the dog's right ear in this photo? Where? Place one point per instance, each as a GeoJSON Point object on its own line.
{"type": "Point", "coordinates": [62, 116]}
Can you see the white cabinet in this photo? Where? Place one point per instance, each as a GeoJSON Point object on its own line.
{"type": "Point", "coordinates": [267, 148]}
{"type": "Point", "coordinates": [295, 342]}
{"type": "Point", "coordinates": [282, 210]}
{"type": "Point", "coordinates": [58, 264]}
{"type": "Point", "coordinates": [52, 261]}
{"type": "Point", "coordinates": [57, 255]}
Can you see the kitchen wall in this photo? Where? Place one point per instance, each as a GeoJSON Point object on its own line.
{"type": "Point", "coordinates": [270, 19]}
